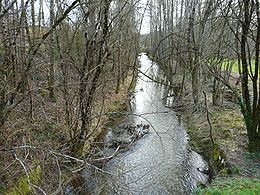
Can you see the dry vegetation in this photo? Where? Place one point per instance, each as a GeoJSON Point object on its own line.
{"type": "Point", "coordinates": [61, 77]}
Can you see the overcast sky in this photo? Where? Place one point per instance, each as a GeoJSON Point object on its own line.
{"type": "Point", "coordinates": [143, 11]}
{"type": "Point", "coordinates": [146, 21]}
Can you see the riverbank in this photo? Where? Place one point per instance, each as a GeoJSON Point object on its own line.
{"type": "Point", "coordinates": [229, 160]}
{"type": "Point", "coordinates": [114, 106]}
{"type": "Point", "coordinates": [54, 167]}
{"type": "Point", "coordinates": [226, 152]}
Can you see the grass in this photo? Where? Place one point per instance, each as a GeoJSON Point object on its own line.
{"type": "Point", "coordinates": [227, 123]}
{"type": "Point", "coordinates": [235, 65]}
{"type": "Point", "coordinates": [226, 120]}
{"type": "Point", "coordinates": [22, 185]}
{"type": "Point", "coordinates": [228, 126]}
{"type": "Point", "coordinates": [238, 186]}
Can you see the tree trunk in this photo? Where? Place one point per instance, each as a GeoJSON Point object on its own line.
{"type": "Point", "coordinates": [216, 94]}
{"type": "Point", "coordinates": [51, 53]}
{"type": "Point", "coordinates": [100, 63]}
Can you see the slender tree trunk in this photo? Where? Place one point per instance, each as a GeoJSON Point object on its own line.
{"type": "Point", "coordinates": [103, 52]}
{"type": "Point", "coordinates": [51, 53]}
{"type": "Point", "coordinates": [193, 58]}
{"type": "Point", "coordinates": [257, 53]}
{"type": "Point", "coordinates": [246, 109]}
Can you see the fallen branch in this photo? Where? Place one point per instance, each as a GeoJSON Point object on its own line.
{"type": "Point", "coordinates": [109, 157]}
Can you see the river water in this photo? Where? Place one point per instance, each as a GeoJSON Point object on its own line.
{"type": "Point", "coordinates": [160, 162]}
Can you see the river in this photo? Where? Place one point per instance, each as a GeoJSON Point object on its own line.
{"type": "Point", "coordinates": [159, 163]}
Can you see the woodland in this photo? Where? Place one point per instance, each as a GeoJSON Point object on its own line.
{"type": "Point", "coordinates": [68, 67]}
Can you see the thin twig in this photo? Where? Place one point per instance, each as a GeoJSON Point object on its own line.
{"type": "Point", "coordinates": [24, 168]}
{"type": "Point", "coordinates": [109, 157]}
{"type": "Point", "coordinates": [210, 126]}
{"type": "Point", "coordinates": [65, 156]}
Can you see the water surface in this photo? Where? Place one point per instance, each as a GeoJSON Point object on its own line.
{"type": "Point", "coordinates": [160, 162]}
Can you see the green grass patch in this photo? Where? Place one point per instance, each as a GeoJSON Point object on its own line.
{"type": "Point", "coordinates": [234, 64]}
{"type": "Point", "coordinates": [228, 119]}
{"type": "Point", "coordinates": [22, 185]}
{"type": "Point", "coordinates": [238, 186]}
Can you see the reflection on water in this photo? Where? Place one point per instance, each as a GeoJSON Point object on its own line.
{"type": "Point", "coordinates": [159, 163]}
